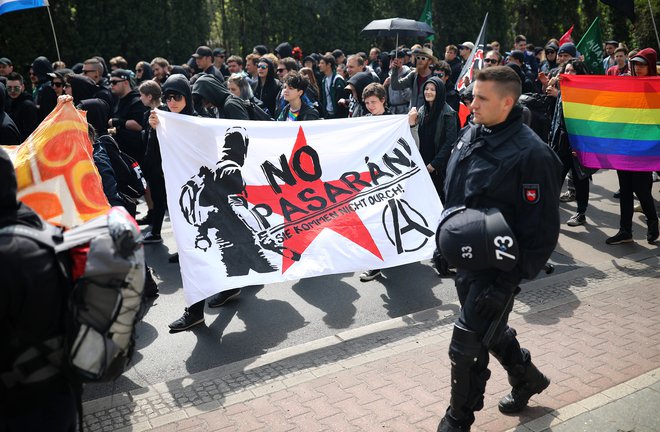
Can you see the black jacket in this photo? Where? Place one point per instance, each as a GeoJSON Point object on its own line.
{"type": "Point", "coordinates": [45, 97]}
{"type": "Point", "coordinates": [9, 133]}
{"type": "Point", "coordinates": [130, 107]}
{"type": "Point", "coordinates": [504, 167]}
{"type": "Point", "coordinates": [267, 91]}
{"type": "Point", "coordinates": [306, 113]}
{"type": "Point", "coordinates": [25, 114]}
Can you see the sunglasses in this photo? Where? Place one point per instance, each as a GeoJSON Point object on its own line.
{"type": "Point", "coordinates": [138, 70]}
{"type": "Point", "coordinates": [439, 74]}
{"type": "Point", "coordinates": [493, 61]}
{"type": "Point", "coordinates": [13, 89]}
{"type": "Point", "coordinates": [116, 82]}
{"type": "Point", "coordinates": [176, 97]}
{"type": "Point", "coordinates": [262, 67]}
{"type": "Point", "coordinates": [221, 56]}
{"type": "Point", "coordinates": [550, 51]}
{"type": "Point", "coordinates": [421, 58]}
{"type": "Point", "coordinates": [88, 71]}
{"type": "Point", "coordinates": [57, 84]}
{"type": "Point", "coordinates": [281, 70]}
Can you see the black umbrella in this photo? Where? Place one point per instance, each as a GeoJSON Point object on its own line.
{"type": "Point", "coordinates": [396, 27]}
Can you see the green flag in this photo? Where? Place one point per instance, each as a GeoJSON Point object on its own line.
{"type": "Point", "coordinates": [591, 46]}
{"type": "Point", "coordinates": [427, 17]}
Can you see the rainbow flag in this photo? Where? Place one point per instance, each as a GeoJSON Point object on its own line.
{"type": "Point", "coordinates": [613, 122]}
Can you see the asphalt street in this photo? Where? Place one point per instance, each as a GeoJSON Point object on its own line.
{"type": "Point", "coordinates": [269, 318]}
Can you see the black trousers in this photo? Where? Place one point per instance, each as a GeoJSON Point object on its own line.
{"type": "Point", "coordinates": [639, 183]}
{"type": "Point", "coordinates": [581, 186]}
{"type": "Point", "coordinates": [469, 378]}
{"type": "Point", "coordinates": [156, 182]}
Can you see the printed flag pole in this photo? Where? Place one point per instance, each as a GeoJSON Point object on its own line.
{"type": "Point", "coordinates": [591, 46]}
{"type": "Point", "coordinates": [52, 26]}
{"type": "Point", "coordinates": [477, 55]}
{"type": "Point", "coordinates": [427, 17]}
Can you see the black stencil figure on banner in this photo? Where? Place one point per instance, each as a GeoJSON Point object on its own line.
{"type": "Point", "coordinates": [214, 199]}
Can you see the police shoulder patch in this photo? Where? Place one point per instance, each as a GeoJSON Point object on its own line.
{"type": "Point", "coordinates": [531, 193]}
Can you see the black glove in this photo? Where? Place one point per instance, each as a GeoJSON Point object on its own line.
{"type": "Point", "coordinates": [491, 302]}
{"type": "Point", "coordinates": [441, 265]}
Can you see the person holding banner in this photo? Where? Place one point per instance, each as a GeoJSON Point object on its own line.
{"type": "Point", "coordinates": [498, 163]}
{"type": "Point", "coordinates": [637, 182]}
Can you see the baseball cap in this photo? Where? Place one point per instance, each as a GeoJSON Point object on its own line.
{"type": "Point", "coordinates": [203, 51]}
{"type": "Point", "coordinates": [216, 51]}
{"type": "Point", "coordinates": [121, 73]}
{"type": "Point", "coordinates": [568, 48]}
{"type": "Point", "coordinates": [5, 61]}
{"type": "Point", "coordinates": [639, 59]}
{"type": "Point", "coordinates": [612, 42]}
{"type": "Point", "coordinates": [476, 239]}
{"type": "Point", "coordinates": [518, 55]}
{"type": "Point", "coordinates": [467, 44]}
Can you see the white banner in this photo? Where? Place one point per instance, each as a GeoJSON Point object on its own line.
{"type": "Point", "coordinates": [262, 202]}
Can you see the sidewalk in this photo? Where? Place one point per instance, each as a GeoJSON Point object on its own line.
{"type": "Point", "coordinates": [594, 331]}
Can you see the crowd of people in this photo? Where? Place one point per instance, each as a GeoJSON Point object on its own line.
{"type": "Point", "coordinates": [284, 85]}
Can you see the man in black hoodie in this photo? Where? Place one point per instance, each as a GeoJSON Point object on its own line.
{"type": "Point", "coordinates": [21, 109]}
{"type": "Point", "coordinates": [32, 304]}
{"type": "Point", "coordinates": [43, 94]}
{"type": "Point", "coordinates": [212, 99]}
{"type": "Point", "coordinates": [9, 134]}
{"type": "Point", "coordinates": [127, 118]}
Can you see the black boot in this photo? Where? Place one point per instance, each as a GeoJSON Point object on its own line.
{"type": "Point", "coordinates": [525, 385]}
{"type": "Point", "coordinates": [652, 232]}
{"type": "Point", "coordinates": [448, 425]}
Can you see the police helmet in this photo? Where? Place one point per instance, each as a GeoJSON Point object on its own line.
{"type": "Point", "coordinates": [476, 239]}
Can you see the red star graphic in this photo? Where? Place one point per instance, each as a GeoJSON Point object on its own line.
{"type": "Point", "coordinates": [348, 225]}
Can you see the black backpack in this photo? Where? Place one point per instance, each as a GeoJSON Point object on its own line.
{"type": "Point", "coordinates": [256, 112]}
{"type": "Point", "coordinates": [540, 107]}
{"type": "Point", "coordinates": [130, 181]}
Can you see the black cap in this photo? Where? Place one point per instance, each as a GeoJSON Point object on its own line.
{"type": "Point", "coordinates": [518, 55]}
{"type": "Point", "coordinates": [121, 73]}
{"type": "Point", "coordinates": [5, 61]}
{"type": "Point", "coordinates": [216, 51]}
{"type": "Point", "coordinates": [472, 239]}
{"type": "Point", "coordinates": [203, 51]}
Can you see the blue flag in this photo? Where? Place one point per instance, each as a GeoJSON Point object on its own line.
{"type": "Point", "coordinates": [15, 5]}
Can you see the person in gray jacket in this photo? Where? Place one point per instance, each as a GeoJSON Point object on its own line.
{"type": "Point", "coordinates": [414, 80]}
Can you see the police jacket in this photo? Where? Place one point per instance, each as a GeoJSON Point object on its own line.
{"type": "Point", "coordinates": [509, 168]}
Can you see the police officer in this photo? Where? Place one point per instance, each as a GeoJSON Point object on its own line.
{"type": "Point", "coordinates": [498, 163]}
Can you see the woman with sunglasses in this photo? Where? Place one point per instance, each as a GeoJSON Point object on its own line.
{"type": "Point", "coordinates": [143, 72]}
{"type": "Point", "coordinates": [267, 86]}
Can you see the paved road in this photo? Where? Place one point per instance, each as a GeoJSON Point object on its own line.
{"type": "Point", "coordinates": [269, 318]}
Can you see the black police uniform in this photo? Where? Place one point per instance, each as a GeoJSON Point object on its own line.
{"type": "Point", "coordinates": [509, 168]}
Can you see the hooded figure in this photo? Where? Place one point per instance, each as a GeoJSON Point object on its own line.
{"type": "Point", "coordinates": [646, 56]}
{"type": "Point", "coordinates": [358, 82]}
{"type": "Point", "coordinates": [9, 134]}
{"type": "Point", "coordinates": [98, 114]}
{"type": "Point", "coordinates": [43, 94]}
{"type": "Point", "coordinates": [284, 50]}
{"type": "Point", "coordinates": [178, 84]}
{"type": "Point", "coordinates": [82, 88]}
{"type": "Point", "coordinates": [147, 72]}
{"type": "Point", "coordinates": [266, 90]}
{"type": "Point", "coordinates": [31, 287]}
{"type": "Point", "coordinates": [437, 129]}
{"type": "Point", "coordinates": [179, 70]}
{"type": "Point", "coordinates": [207, 89]}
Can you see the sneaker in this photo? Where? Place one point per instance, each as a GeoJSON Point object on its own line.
{"type": "Point", "coordinates": [369, 275]}
{"type": "Point", "coordinates": [577, 219]}
{"type": "Point", "coordinates": [174, 258]}
{"type": "Point", "coordinates": [146, 220]}
{"type": "Point", "coordinates": [567, 196]}
{"type": "Point", "coordinates": [617, 194]}
{"type": "Point", "coordinates": [653, 232]}
{"type": "Point", "coordinates": [223, 297]}
{"type": "Point", "coordinates": [152, 238]}
{"type": "Point", "coordinates": [186, 321]}
{"type": "Point", "coordinates": [620, 237]}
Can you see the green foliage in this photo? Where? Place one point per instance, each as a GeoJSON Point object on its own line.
{"type": "Point", "coordinates": [174, 28]}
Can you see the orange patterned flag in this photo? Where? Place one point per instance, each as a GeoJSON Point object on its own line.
{"type": "Point", "coordinates": [55, 169]}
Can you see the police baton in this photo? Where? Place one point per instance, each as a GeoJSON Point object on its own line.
{"type": "Point", "coordinates": [488, 337]}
